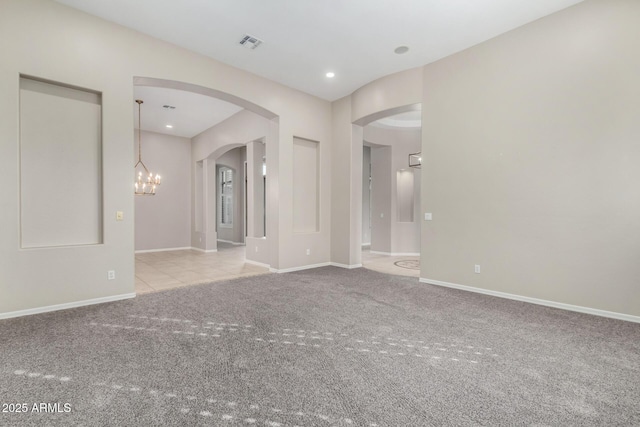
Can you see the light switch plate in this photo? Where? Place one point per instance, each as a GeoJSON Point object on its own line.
{"type": "Point", "coordinates": [428, 216]}
{"type": "Point", "coordinates": [119, 216]}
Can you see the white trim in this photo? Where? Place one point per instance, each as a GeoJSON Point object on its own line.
{"type": "Point", "coordinates": [349, 266]}
{"type": "Point", "coordinates": [146, 251]}
{"type": "Point", "coordinates": [396, 253]}
{"type": "Point", "coordinates": [554, 304]}
{"type": "Point", "coordinates": [233, 243]}
{"type": "Point", "coordinates": [65, 306]}
{"type": "Point", "coordinates": [208, 251]}
{"type": "Point", "coordinates": [259, 264]}
{"type": "Point", "coordinates": [303, 267]}
{"type": "Point", "coordinates": [380, 253]}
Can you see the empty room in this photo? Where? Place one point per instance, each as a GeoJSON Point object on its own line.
{"type": "Point", "coordinates": [320, 213]}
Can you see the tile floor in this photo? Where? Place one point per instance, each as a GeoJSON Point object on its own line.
{"type": "Point", "coordinates": [157, 271]}
{"type": "Point", "coordinates": [386, 263]}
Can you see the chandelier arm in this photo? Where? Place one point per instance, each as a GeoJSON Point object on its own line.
{"type": "Point", "coordinates": [140, 162]}
{"type": "Point", "coordinates": [139, 101]}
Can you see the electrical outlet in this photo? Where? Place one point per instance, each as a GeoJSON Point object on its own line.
{"type": "Point", "coordinates": [111, 275]}
{"type": "Point", "coordinates": [308, 251]}
{"type": "Point", "coordinates": [428, 216]}
{"type": "Point", "coordinates": [477, 268]}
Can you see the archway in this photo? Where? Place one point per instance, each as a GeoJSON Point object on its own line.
{"type": "Point", "coordinates": [206, 148]}
{"type": "Point", "coordinates": [390, 215]}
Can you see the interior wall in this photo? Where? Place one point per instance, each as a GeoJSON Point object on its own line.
{"type": "Point", "coordinates": [256, 181]}
{"type": "Point", "coordinates": [57, 43]}
{"type": "Point", "coordinates": [366, 195]}
{"type": "Point", "coordinates": [531, 161]}
{"type": "Point", "coordinates": [163, 221]}
{"type": "Point", "coordinates": [346, 186]}
{"type": "Point", "coordinates": [382, 206]}
{"type": "Point", "coordinates": [373, 100]}
{"type": "Point", "coordinates": [306, 195]}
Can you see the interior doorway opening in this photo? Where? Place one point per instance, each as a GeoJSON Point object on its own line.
{"type": "Point", "coordinates": [212, 156]}
{"type": "Point", "coordinates": [391, 193]}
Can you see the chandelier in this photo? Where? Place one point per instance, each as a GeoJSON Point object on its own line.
{"type": "Point", "coordinates": [145, 183]}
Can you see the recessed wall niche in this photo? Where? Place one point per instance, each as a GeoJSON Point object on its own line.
{"type": "Point", "coordinates": [306, 186]}
{"type": "Point", "coordinates": [60, 165]}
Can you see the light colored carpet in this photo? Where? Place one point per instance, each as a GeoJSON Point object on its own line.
{"type": "Point", "coordinates": [324, 347]}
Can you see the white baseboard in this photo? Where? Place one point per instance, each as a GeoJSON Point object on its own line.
{"type": "Point", "coordinates": [349, 266]}
{"type": "Point", "coordinates": [259, 264]}
{"type": "Point", "coordinates": [65, 306]}
{"type": "Point", "coordinates": [231, 242]}
{"type": "Point", "coordinates": [208, 251]}
{"type": "Point", "coordinates": [146, 251]}
{"type": "Point", "coordinates": [547, 303]}
{"type": "Point", "coordinates": [303, 267]}
{"type": "Point", "coordinates": [396, 253]}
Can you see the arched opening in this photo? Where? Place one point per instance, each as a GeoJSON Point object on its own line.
{"type": "Point", "coordinates": [390, 220]}
{"type": "Point", "coordinates": [214, 186]}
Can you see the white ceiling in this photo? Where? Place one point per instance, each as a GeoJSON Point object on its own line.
{"type": "Point", "coordinates": [408, 120]}
{"type": "Point", "coordinates": [304, 39]}
{"type": "Point", "coordinates": [193, 114]}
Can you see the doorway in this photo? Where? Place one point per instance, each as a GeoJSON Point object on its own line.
{"type": "Point", "coordinates": [391, 194]}
{"type": "Point", "coordinates": [176, 229]}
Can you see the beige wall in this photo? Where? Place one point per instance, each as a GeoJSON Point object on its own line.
{"type": "Point", "coordinates": [346, 152]}
{"type": "Point", "coordinates": [381, 199]}
{"type": "Point", "coordinates": [256, 176]}
{"type": "Point", "coordinates": [163, 221]}
{"type": "Point", "coordinates": [374, 100]}
{"type": "Point", "coordinates": [51, 41]}
{"type": "Point", "coordinates": [531, 150]}
{"type": "Point", "coordinates": [366, 196]}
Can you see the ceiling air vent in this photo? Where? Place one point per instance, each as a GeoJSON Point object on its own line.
{"type": "Point", "coordinates": [169, 107]}
{"type": "Point", "coordinates": [250, 42]}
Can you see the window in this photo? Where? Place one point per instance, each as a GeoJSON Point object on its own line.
{"type": "Point", "coordinates": [225, 195]}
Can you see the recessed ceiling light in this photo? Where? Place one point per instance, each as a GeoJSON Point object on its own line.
{"type": "Point", "coordinates": [401, 49]}
{"type": "Point", "coordinates": [330, 75]}
{"type": "Point", "coordinates": [170, 126]}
